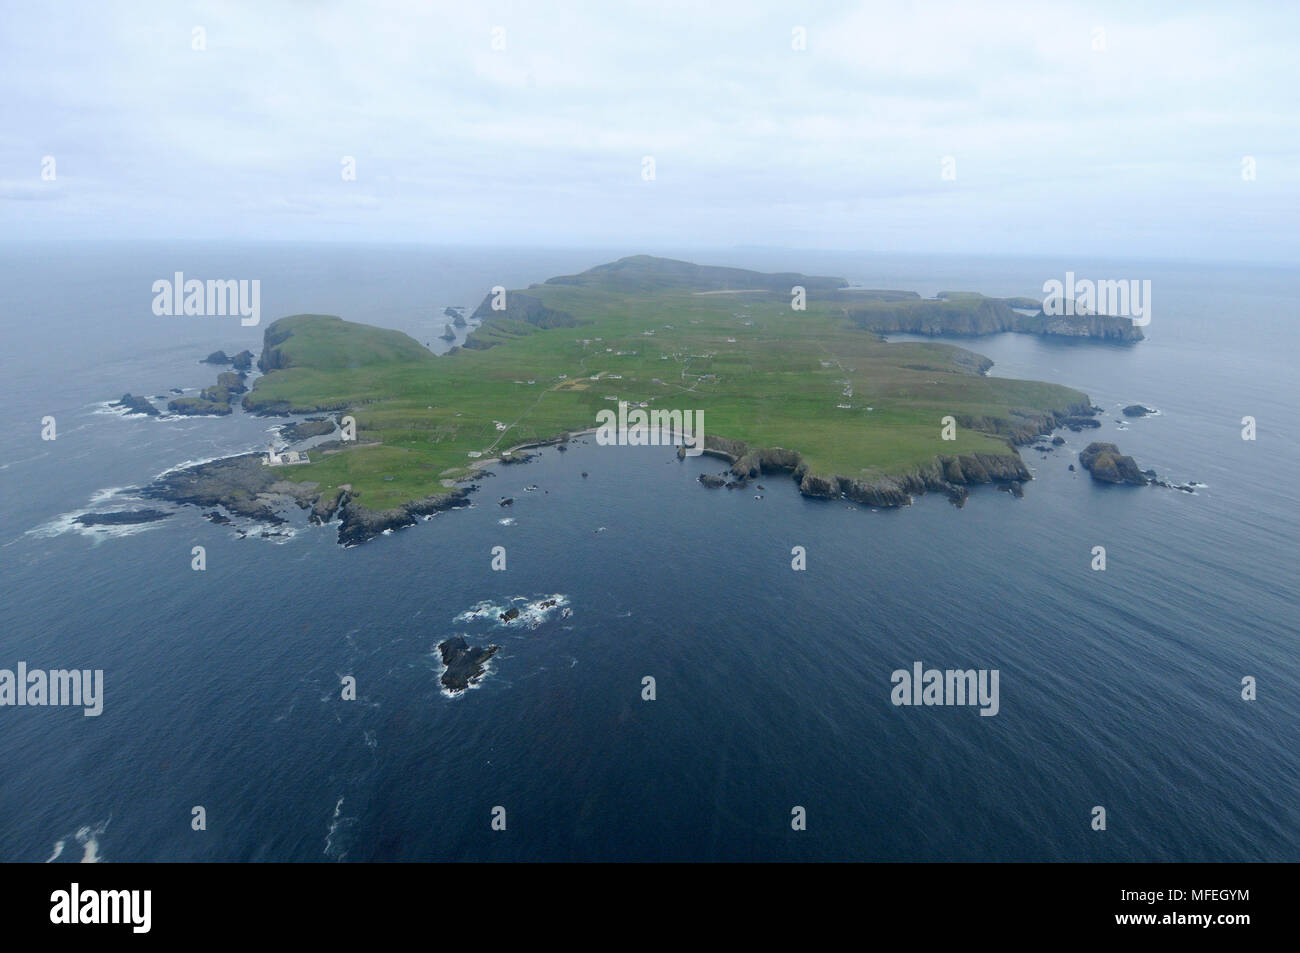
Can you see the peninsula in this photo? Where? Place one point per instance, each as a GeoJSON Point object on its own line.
{"type": "Point", "coordinates": [797, 383]}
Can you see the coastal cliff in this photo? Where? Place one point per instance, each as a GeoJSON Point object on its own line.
{"type": "Point", "coordinates": [974, 315]}
{"type": "Point", "coordinates": [945, 473]}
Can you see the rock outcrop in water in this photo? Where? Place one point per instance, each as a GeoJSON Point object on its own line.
{"type": "Point", "coordinates": [1108, 465]}
{"type": "Point", "coordinates": [131, 405]}
{"type": "Point", "coordinates": [121, 517]}
{"type": "Point", "coordinates": [199, 406]}
{"type": "Point", "coordinates": [1137, 410]}
{"type": "Point", "coordinates": [231, 382]}
{"type": "Point", "coordinates": [465, 664]}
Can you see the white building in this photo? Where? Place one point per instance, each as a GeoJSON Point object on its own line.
{"type": "Point", "coordinates": [285, 458]}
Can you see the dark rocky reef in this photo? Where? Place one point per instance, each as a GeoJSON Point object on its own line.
{"type": "Point", "coordinates": [465, 664]}
{"type": "Point", "coordinates": [198, 406]}
{"type": "Point", "coordinates": [243, 361]}
{"type": "Point", "coordinates": [1137, 410]}
{"type": "Point", "coordinates": [121, 517]}
{"type": "Point", "coordinates": [135, 405]}
{"type": "Point", "coordinates": [242, 484]}
{"type": "Point", "coordinates": [1108, 465]}
{"type": "Point", "coordinates": [517, 456]}
{"type": "Point", "coordinates": [311, 427]}
{"type": "Point", "coordinates": [215, 399]}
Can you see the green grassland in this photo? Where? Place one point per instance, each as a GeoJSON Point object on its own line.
{"type": "Point", "coordinates": [760, 372]}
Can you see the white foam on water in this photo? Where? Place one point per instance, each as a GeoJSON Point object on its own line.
{"type": "Point", "coordinates": [338, 823]}
{"type": "Point", "coordinates": [531, 612]}
{"type": "Point", "coordinates": [88, 838]}
{"type": "Point", "coordinates": [67, 523]}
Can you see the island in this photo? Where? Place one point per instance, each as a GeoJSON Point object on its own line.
{"type": "Point", "coordinates": [464, 665]}
{"type": "Point", "coordinates": [132, 405]}
{"type": "Point", "coordinates": [810, 389]}
{"type": "Point", "coordinates": [1107, 465]}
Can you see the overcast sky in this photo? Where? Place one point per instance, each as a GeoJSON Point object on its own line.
{"type": "Point", "coordinates": [1135, 149]}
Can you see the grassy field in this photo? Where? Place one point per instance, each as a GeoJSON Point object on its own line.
{"type": "Point", "coordinates": [759, 371]}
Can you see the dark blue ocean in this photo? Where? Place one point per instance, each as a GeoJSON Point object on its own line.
{"type": "Point", "coordinates": [222, 688]}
